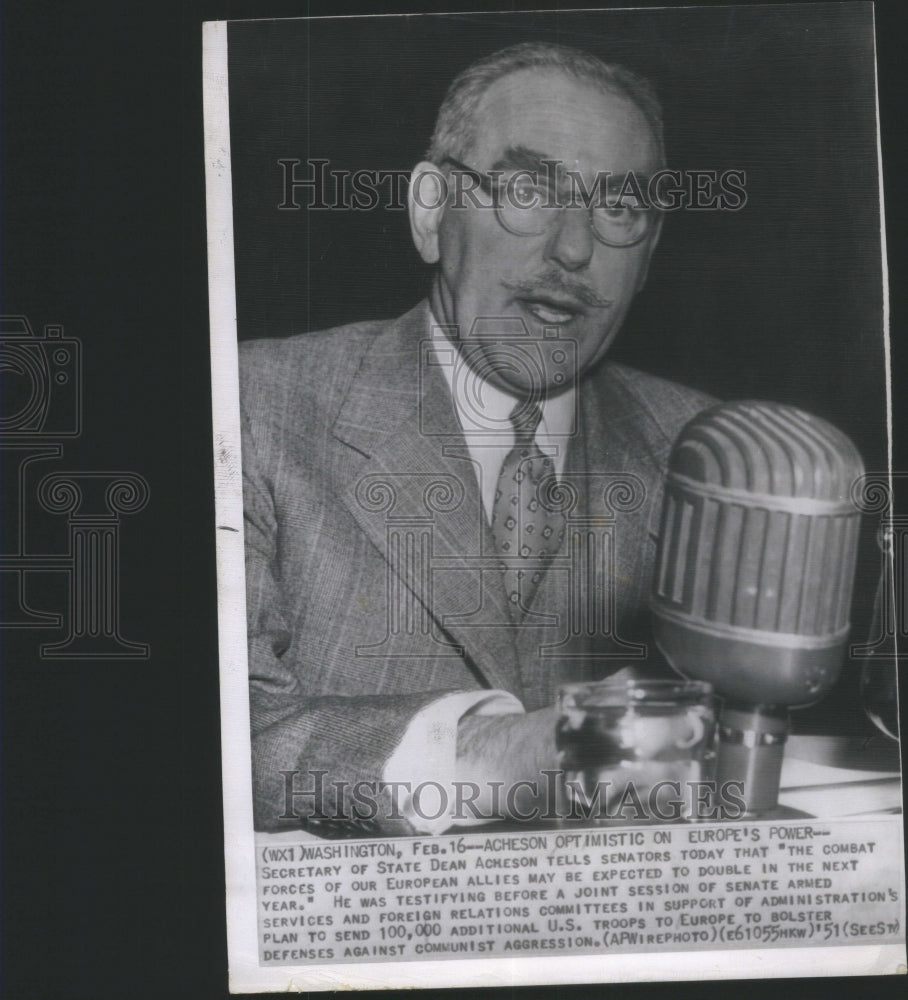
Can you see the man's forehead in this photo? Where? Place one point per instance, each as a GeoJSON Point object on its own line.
{"type": "Point", "coordinates": [572, 120]}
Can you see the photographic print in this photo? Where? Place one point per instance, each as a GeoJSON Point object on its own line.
{"type": "Point", "coordinates": [558, 573]}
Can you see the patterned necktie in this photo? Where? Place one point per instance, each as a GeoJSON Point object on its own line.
{"type": "Point", "coordinates": [527, 533]}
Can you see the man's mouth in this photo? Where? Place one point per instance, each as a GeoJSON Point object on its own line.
{"type": "Point", "coordinates": [551, 301]}
{"type": "Point", "coordinates": [551, 310]}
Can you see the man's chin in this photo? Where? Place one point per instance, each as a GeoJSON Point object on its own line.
{"type": "Point", "coordinates": [546, 387]}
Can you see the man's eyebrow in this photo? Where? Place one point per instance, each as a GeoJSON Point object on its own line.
{"type": "Point", "coordinates": [522, 158]}
{"type": "Point", "coordinates": [617, 181]}
{"type": "Point", "coordinates": [525, 158]}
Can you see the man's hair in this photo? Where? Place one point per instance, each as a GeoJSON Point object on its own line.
{"type": "Point", "coordinates": [456, 125]}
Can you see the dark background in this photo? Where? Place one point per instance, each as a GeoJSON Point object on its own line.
{"type": "Point", "coordinates": [781, 300]}
{"type": "Point", "coordinates": [112, 836]}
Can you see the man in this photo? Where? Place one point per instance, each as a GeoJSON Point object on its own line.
{"type": "Point", "coordinates": [403, 625]}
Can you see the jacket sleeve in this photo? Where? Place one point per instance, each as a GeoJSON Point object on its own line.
{"type": "Point", "coordinates": [316, 760]}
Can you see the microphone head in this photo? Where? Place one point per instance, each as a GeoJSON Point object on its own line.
{"type": "Point", "coordinates": [757, 551]}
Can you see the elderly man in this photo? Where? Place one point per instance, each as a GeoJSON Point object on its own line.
{"type": "Point", "coordinates": [453, 512]}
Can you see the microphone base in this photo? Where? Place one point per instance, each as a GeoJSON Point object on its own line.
{"type": "Point", "coordinates": [751, 750]}
{"type": "Point", "coordinates": [749, 666]}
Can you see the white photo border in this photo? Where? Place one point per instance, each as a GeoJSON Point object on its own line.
{"type": "Point", "coordinates": [245, 972]}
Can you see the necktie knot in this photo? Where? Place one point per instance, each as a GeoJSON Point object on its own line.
{"type": "Point", "coordinates": [525, 419]}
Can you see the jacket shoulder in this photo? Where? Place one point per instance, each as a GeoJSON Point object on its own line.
{"type": "Point", "coordinates": [305, 374]}
{"type": "Point", "coordinates": [667, 405]}
{"type": "Point", "coordinates": [308, 356]}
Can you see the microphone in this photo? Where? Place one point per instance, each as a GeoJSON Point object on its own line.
{"type": "Point", "coordinates": [754, 574]}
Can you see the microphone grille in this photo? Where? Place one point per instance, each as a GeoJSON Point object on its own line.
{"type": "Point", "coordinates": [767, 448]}
{"type": "Point", "coordinates": [758, 529]}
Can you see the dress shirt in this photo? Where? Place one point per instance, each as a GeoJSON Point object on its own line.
{"type": "Point", "coordinates": [483, 411]}
{"type": "Point", "coordinates": [426, 757]}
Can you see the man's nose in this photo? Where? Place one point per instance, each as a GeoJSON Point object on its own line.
{"type": "Point", "coordinates": [571, 243]}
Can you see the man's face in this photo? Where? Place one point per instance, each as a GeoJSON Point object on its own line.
{"type": "Point", "coordinates": [563, 278]}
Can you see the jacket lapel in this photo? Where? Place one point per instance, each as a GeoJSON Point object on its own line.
{"type": "Point", "coordinates": [618, 438]}
{"type": "Point", "coordinates": [612, 471]}
{"type": "Point", "coordinates": [415, 481]}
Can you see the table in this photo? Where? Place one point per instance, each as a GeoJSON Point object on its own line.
{"type": "Point", "coordinates": [822, 776]}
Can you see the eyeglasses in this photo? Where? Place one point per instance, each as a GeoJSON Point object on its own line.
{"type": "Point", "coordinates": [527, 207]}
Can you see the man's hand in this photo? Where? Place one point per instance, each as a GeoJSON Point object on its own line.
{"type": "Point", "coordinates": [505, 757]}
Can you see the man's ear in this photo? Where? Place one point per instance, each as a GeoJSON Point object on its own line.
{"type": "Point", "coordinates": [653, 241]}
{"type": "Point", "coordinates": [426, 201]}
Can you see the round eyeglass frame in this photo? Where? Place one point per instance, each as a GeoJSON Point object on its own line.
{"type": "Point", "coordinates": [486, 182]}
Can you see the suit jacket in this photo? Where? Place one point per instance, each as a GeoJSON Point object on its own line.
{"type": "Point", "coordinates": [372, 581]}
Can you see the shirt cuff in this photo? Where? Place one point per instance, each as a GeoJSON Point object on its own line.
{"type": "Point", "coordinates": [424, 763]}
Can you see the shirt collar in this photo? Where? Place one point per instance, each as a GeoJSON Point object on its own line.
{"type": "Point", "coordinates": [484, 409]}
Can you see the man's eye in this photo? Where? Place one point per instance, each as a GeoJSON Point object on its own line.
{"type": "Point", "coordinates": [524, 192]}
{"type": "Point", "coordinates": [616, 213]}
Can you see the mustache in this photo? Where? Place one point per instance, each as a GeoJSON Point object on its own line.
{"type": "Point", "coordinates": [554, 282]}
